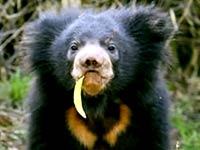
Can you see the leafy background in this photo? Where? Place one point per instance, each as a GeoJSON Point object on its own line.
{"type": "Point", "coordinates": [182, 78]}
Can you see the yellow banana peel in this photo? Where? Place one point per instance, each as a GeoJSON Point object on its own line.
{"type": "Point", "coordinates": [77, 97]}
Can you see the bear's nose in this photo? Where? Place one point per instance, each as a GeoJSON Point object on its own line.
{"type": "Point", "coordinates": [91, 62]}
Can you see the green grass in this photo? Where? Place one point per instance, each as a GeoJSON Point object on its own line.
{"type": "Point", "coordinates": [188, 127]}
{"type": "Point", "coordinates": [15, 88]}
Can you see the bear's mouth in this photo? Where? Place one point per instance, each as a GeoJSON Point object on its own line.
{"type": "Point", "coordinates": [93, 83]}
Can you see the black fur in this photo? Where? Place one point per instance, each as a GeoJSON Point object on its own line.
{"type": "Point", "coordinates": [140, 34]}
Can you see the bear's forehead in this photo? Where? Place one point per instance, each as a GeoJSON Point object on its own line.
{"type": "Point", "coordinates": [94, 26]}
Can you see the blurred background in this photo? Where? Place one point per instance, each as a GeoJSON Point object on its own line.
{"type": "Point", "coordinates": [183, 76]}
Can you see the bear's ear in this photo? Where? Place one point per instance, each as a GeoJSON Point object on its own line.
{"type": "Point", "coordinates": [148, 24]}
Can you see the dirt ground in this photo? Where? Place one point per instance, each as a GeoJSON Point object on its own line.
{"type": "Point", "coordinates": [12, 127]}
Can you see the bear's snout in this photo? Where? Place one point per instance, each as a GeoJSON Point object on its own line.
{"type": "Point", "coordinates": [92, 58]}
{"type": "Point", "coordinates": [91, 61]}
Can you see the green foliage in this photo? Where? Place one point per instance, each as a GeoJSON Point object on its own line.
{"type": "Point", "coordinates": [15, 88]}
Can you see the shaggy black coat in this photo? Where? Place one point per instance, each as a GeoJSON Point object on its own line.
{"type": "Point", "coordinates": [140, 35]}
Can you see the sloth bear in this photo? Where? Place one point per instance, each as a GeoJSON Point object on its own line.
{"type": "Point", "coordinates": [120, 54]}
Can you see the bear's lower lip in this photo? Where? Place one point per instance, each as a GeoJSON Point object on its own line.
{"type": "Point", "coordinates": [92, 83]}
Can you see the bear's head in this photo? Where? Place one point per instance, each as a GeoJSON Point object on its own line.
{"type": "Point", "coordinates": [93, 49]}
{"type": "Point", "coordinates": [114, 48]}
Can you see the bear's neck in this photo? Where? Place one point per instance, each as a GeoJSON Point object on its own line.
{"type": "Point", "coordinates": [99, 111]}
{"type": "Point", "coordinates": [100, 120]}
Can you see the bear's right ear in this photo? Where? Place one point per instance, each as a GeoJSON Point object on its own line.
{"type": "Point", "coordinates": [148, 24]}
{"type": "Point", "coordinates": [41, 33]}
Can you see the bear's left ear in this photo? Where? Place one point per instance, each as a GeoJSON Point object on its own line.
{"type": "Point", "coordinates": [148, 24]}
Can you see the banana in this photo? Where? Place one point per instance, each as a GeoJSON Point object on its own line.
{"type": "Point", "coordinates": [77, 97]}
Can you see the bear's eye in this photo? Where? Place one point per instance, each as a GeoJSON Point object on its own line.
{"type": "Point", "coordinates": [111, 47]}
{"type": "Point", "coordinates": [74, 46]}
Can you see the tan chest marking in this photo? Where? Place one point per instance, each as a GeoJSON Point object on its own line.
{"type": "Point", "coordinates": [79, 129]}
{"type": "Point", "coordinates": [81, 132]}
{"type": "Point", "coordinates": [120, 126]}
